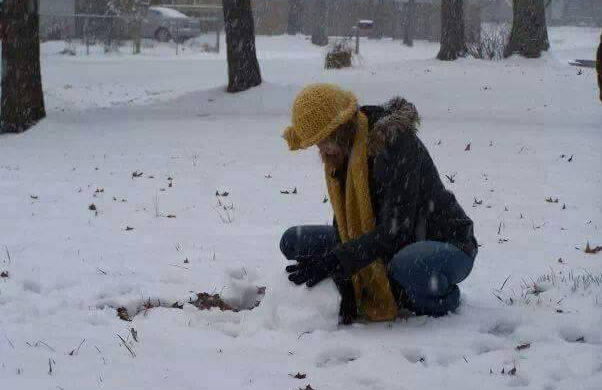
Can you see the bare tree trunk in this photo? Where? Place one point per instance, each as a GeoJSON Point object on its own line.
{"type": "Point", "coordinates": [378, 7]}
{"type": "Point", "coordinates": [22, 96]}
{"type": "Point", "coordinates": [138, 10]}
{"type": "Point", "coordinates": [319, 36]}
{"type": "Point", "coordinates": [473, 23]}
{"type": "Point", "coordinates": [408, 28]}
{"type": "Point", "coordinates": [243, 67]}
{"type": "Point", "coordinates": [599, 66]}
{"type": "Point", "coordinates": [453, 41]}
{"type": "Point", "coordinates": [529, 36]}
{"type": "Point", "coordinates": [295, 17]}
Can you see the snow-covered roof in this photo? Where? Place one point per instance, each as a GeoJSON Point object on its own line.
{"type": "Point", "coordinates": [168, 12]}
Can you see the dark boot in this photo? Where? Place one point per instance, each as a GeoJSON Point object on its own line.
{"type": "Point", "coordinates": [435, 306]}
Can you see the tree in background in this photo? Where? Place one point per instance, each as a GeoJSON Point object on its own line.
{"type": "Point", "coordinates": [243, 67]}
{"type": "Point", "coordinates": [408, 26]}
{"type": "Point", "coordinates": [319, 36]}
{"type": "Point", "coordinates": [295, 17]}
{"type": "Point", "coordinates": [473, 23]}
{"type": "Point", "coordinates": [378, 9]}
{"type": "Point", "coordinates": [22, 96]}
{"type": "Point", "coordinates": [529, 35]}
{"type": "Point", "coordinates": [453, 41]}
{"type": "Point", "coordinates": [133, 13]}
{"type": "Point", "coordinates": [137, 12]}
{"type": "Point", "coordinates": [599, 66]}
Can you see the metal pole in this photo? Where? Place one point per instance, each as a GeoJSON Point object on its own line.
{"type": "Point", "coordinates": [217, 33]}
{"type": "Point", "coordinates": [357, 40]}
{"type": "Point", "coordinates": [177, 37]}
{"type": "Point", "coordinates": [86, 38]}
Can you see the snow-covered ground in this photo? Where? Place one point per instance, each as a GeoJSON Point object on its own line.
{"type": "Point", "coordinates": [535, 130]}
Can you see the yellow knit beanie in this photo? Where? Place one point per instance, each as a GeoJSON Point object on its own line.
{"type": "Point", "coordinates": [318, 110]}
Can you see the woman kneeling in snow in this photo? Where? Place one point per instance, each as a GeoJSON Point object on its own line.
{"type": "Point", "coordinates": [400, 239]}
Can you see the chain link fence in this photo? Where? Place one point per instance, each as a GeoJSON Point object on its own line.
{"type": "Point", "coordinates": [114, 33]}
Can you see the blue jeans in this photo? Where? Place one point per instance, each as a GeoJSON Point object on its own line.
{"type": "Point", "coordinates": [424, 275]}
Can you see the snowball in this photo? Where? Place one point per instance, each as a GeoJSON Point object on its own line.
{"type": "Point", "coordinates": [287, 306]}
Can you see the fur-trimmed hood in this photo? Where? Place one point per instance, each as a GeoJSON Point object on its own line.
{"type": "Point", "coordinates": [395, 117]}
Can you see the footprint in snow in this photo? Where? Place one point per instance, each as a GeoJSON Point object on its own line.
{"type": "Point", "coordinates": [486, 345]}
{"type": "Point", "coordinates": [337, 356]}
{"type": "Point", "coordinates": [444, 360]}
{"type": "Point", "coordinates": [519, 381]}
{"type": "Point", "coordinates": [501, 327]}
{"type": "Point", "coordinates": [572, 334]}
{"type": "Point", "coordinates": [370, 383]}
{"type": "Point", "coordinates": [414, 355]}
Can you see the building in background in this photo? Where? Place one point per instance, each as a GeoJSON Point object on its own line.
{"type": "Point", "coordinates": [57, 18]}
{"type": "Point", "coordinates": [575, 12]}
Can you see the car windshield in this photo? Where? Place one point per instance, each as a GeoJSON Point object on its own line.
{"type": "Point", "coordinates": [169, 13]}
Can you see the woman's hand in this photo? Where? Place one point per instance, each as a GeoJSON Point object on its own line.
{"type": "Point", "coordinates": [312, 272]}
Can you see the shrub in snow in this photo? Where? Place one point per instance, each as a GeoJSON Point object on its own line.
{"type": "Point", "coordinates": [494, 38]}
{"type": "Point", "coordinates": [339, 55]}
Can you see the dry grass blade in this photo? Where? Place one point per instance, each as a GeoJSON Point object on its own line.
{"type": "Point", "coordinates": [9, 341]}
{"type": "Point", "coordinates": [505, 281]}
{"type": "Point", "coordinates": [76, 350]}
{"type": "Point", "coordinates": [125, 344]}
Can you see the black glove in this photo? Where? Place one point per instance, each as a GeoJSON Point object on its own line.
{"type": "Point", "coordinates": [312, 272]}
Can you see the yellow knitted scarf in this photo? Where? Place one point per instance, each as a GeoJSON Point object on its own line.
{"type": "Point", "coordinates": [354, 215]}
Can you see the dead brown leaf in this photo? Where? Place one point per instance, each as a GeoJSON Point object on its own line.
{"type": "Point", "coordinates": [523, 346]}
{"type": "Point", "coordinates": [177, 305]}
{"type": "Point", "coordinates": [205, 301]}
{"type": "Point", "coordinates": [122, 313]}
{"type": "Point", "coordinates": [592, 251]}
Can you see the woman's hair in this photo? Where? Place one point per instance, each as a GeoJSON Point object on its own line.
{"type": "Point", "coordinates": [343, 135]}
{"type": "Point", "coordinates": [343, 138]}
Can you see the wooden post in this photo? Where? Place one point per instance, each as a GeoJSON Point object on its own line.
{"type": "Point", "coordinates": [217, 39]}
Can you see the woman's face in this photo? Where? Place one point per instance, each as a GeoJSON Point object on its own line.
{"type": "Point", "coordinates": [332, 153]}
{"type": "Point", "coordinates": [335, 149]}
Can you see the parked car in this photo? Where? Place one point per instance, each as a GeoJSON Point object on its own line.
{"type": "Point", "coordinates": [165, 24]}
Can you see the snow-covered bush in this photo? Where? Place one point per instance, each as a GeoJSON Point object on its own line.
{"type": "Point", "coordinates": [339, 54]}
{"type": "Point", "coordinates": [494, 38]}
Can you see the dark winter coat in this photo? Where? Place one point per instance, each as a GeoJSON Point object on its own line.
{"type": "Point", "coordinates": [409, 200]}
